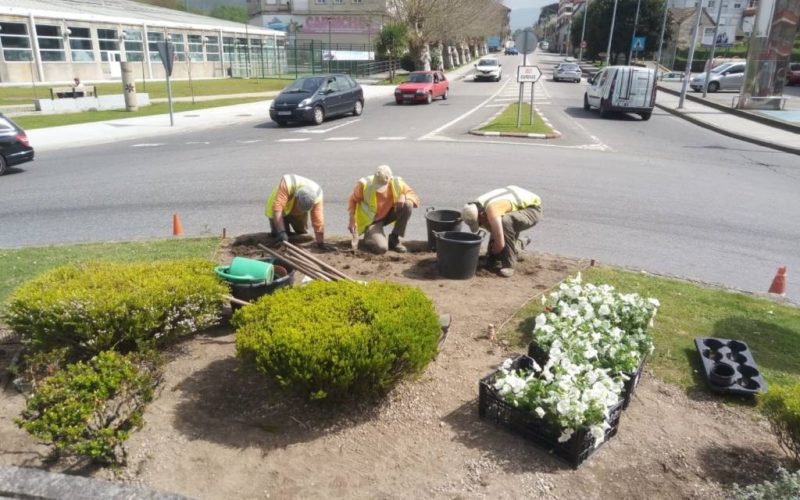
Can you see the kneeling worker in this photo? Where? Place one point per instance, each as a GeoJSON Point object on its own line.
{"type": "Point", "coordinates": [505, 212]}
{"type": "Point", "coordinates": [289, 205]}
{"type": "Point", "coordinates": [377, 201]}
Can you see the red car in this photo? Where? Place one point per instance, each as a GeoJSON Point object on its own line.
{"type": "Point", "coordinates": [793, 74]}
{"type": "Point", "coordinates": [422, 86]}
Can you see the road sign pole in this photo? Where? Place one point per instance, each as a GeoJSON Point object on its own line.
{"type": "Point", "coordinates": [169, 100]}
{"type": "Point", "coordinates": [533, 88]}
{"type": "Point", "coordinates": [713, 50]}
{"type": "Point", "coordinates": [633, 37]}
{"type": "Point", "coordinates": [583, 30]}
{"type": "Point", "coordinates": [611, 34]}
{"type": "Point", "coordinates": [519, 104]}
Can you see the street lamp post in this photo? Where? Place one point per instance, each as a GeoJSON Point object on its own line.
{"type": "Point", "coordinates": [611, 34]}
{"type": "Point", "coordinates": [661, 37]}
{"type": "Point", "coordinates": [633, 37]}
{"type": "Point", "coordinates": [583, 30]}
{"type": "Point", "coordinates": [713, 50]}
{"type": "Point", "coordinates": [690, 58]}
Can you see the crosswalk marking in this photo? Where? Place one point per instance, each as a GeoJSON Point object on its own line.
{"type": "Point", "coordinates": [341, 139]}
{"type": "Point", "coordinates": [303, 139]}
{"type": "Point", "coordinates": [148, 145]}
{"type": "Point", "coordinates": [391, 138]}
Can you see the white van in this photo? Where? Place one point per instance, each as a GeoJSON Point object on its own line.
{"type": "Point", "coordinates": [629, 89]}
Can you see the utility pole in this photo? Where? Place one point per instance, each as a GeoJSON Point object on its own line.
{"type": "Point", "coordinates": [661, 37]}
{"type": "Point", "coordinates": [690, 58]}
{"type": "Point", "coordinates": [633, 37]}
{"type": "Point", "coordinates": [713, 49]}
{"type": "Point", "coordinates": [611, 34]}
{"type": "Point", "coordinates": [583, 30]}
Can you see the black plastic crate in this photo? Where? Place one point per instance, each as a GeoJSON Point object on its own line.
{"type": "Point", "coordinates": [578, 448]}
{"type": "Point", "coordinates": [540, 356]}
{"type": "Point", "coordinates": [729, 366]}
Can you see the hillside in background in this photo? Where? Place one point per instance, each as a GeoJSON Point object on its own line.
{"type": "Point", "coordinates": [204, 6]}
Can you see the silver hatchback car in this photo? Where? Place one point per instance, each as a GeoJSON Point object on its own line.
{"type": "Point", "coordinates": [567, 71]}
{"type": "Point", "coordinates": [724, 77]}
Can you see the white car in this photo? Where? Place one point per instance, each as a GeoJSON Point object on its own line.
{"type": "Point", "coordinates": [627, 89]}
{"type": "Point", "coordinates": [488, 68]}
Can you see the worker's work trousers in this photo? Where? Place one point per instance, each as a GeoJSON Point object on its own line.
{"type": "Point", "coordinates": [513, 224]}
{"type": "Point", "coordinates": [298, 223]}
{"type": "Point", "coordinates": [375, 240]}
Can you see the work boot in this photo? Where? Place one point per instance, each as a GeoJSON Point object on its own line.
{"type": "Point", "coordinates": [395, 245]}
{"type": "Point", "coordinates": [507, 272]}
{"type": "Point", "coordinates": [523, 242]}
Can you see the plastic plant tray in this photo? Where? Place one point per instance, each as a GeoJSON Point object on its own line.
{"type": "Point", "coordinates": [729, 366]}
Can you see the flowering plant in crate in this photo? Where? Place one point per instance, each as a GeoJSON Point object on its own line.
{"type": "Point", "coordinates": [563, 393]}
{"type": "Point", "coordinates": [593, 322]}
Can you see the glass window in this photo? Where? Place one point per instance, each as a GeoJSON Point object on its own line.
{"type": "Point", "coordinates": [344, 83]}
{"type": "Point", "coordinates": [51, 43]}
{"type": "Point", "coordinates": [322, 2]}
{"type": "Point", "coordinates": [153, 38]}
{"type": "Point", "coordinates": [134, 47]}
{"type": "Point", "coordinates": [177, 43]}
{"type": "Point", "coordinates": [212, 48]}
{"type": "Point", "coordinates": [108, 43]}
{"type": "Point", "coordinates": [196, 48]}
{"type": "Point", "coordinates": [228, 46]}
{"type": "Point", "coordinates": [80, 44]}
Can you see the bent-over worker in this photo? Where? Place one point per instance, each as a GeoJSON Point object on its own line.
{"type": "Point", "coordinates": [379, 200]}
{"type": "Point", "coordinates": [289, 205]}
{"type": "Point", "coordinates": [505, 212]}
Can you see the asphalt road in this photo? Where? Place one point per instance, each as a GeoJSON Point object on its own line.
{"type": "Point", "coordinates": [663, 195]}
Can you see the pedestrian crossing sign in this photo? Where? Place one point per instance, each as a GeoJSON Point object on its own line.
{"type": "Point", "coordinates": [637, 45]}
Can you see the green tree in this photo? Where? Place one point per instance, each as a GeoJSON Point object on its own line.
{"type": "Point", "coordinates": [600, 11]}
{"type": "Point", "coordinates": [169, 4]}
{"type": "Point", "coordinates": [234, 13]}
{"type": "Point", "coordinates": [392, 43]}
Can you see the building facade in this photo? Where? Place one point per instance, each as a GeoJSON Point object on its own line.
{"type": "Point", "coordinates": [52, 41]}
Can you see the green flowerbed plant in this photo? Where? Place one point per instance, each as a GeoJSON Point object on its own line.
{"type": "Point", "coordinates": [785, 487]}
{"type": "Point", "coordinates": [97, 306]}
{"type": "Point", "coordinates": [781, 406]}
{"type": "Point", "coordinates": [90, 408]}
{"type": "Point", "coordinates": [336, 340]}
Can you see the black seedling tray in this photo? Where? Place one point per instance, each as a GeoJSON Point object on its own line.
{"type": "Point", "coordinates": [729, 366]}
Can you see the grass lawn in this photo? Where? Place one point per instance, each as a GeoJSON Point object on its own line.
{"type": "Point", "coordinates": [507, 122]}
{"type": "Point", "coordinates": [41, 121]}
{"type": "Point", "coordinates": [22, 264]}
{"type": "Point", "coordinates": [771, 330]}
{"type": "Point", "coordinates": [156, 88]}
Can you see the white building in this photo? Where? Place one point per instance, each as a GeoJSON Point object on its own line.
{"type": "Point", "coordinates": [58, 40]}
{"type": "Point", "coordinates": [735, 17]}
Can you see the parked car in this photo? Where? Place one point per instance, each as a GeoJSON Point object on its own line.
{"type": "Point", "coordinates": [671, 76]}
{"type": "Point", "coordinates": [315, 98]}
{"type": "Point", "coordinates": [544, 45]}
{"type": "Point", "coordinates": [488, 68]}
{"type": "Point", "coordinates": [728, 76]}
{"type": "Point", "coordinates": [567, 71]}
{"type": "Point", "coordinates": [14, 145]}
{"type": "Point", "coordinates": [422, 86]}
{"type": "Point", "coordinates": [512, 51]}
{"type": "Point", "coordinates": [628, 89]}
{"type": "Point", "coordinates": [793, 74]}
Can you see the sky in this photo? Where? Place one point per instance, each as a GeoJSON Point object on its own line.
{"type": "Point", "coordinates": [525, 12]}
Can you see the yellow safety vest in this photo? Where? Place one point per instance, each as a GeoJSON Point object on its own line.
{"type": "Point", "coordinates": [519, 198]}
{"type": "Point", "coordinates": [366, 210]}
{"type": "Point", "coordinates": [293, 183]}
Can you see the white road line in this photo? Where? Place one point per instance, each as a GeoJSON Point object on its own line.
{"type": "Point", "coordinates": [326, 130]}
{"type": "Point", "coordinates": [458, 119]}
{"type": "Point", "coordinates": [495, 105]}
{"type": "Point", "coordinates": [391, 138]}
{"type": "Point", "coordinates": [342, 139]}
{"type": "Point", "coordinates": [197, 142]}
{"type": "Point", "coordinates": [295, 140]}
{"type": "Point", "coordinates": [249, 141]}
{"type": "Point", "coordinates": [148, 145]}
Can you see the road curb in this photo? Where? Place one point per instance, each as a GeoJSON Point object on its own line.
{"type": "Point", "coordinates": [554, 135]}
{"type": "Point", "coordinates": [728, 133]}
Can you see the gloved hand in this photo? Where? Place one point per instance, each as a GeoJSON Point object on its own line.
{"type": "Point", "coordinates": [282, 236]}
{"type": "Point", "coordinates": [326, 247]}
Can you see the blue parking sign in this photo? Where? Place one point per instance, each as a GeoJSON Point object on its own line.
{"type": "Point", "coordinates": [637, 45]}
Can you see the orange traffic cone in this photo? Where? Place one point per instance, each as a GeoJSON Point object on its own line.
{"type": "Point", "coordinates": [177, 227]}
{"type": "Point", "coordinates": [779, 282]}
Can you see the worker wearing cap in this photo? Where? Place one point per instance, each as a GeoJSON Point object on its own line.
{"type": "Point", "coordinates": [289, 205]}
{"type": "Point", "coordinates": [377, 201]}
{"type": "Point", "coordinates": [505, 212]}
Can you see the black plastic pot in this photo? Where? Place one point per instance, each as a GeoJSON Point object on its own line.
{"type": "Point", "coordinates": [284, 276]}
{"type": "Point", "coordinates": [457, 254]}
{"type": "Point", "coordinates": [722, 374]}
{"type": "Point", "coordinates": [440, 220]}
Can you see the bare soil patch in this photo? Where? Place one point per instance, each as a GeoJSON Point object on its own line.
{"type": "Point", "coordinates": [217, 430]}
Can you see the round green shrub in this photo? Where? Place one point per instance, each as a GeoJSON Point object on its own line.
{"type": "Point", "coordinates": [337, 339]}
{"type": "Point", "coordinates": [781, 406]}
{"type": "Point", "coordinates": [97, 306]}
{"type": "Point", "coordinates": [90, 408]}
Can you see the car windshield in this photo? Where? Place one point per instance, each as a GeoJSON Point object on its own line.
{"type": "Point", "coordinates": [420, 78]}
{"type": "Point", "coordinates": [488, 62]}
{"type": "Point", "coordinates": [304, 85]}
{"type": "Point", "coordinates": [569, 67]}
{"type": "Point", "coordinates": [721, 68]}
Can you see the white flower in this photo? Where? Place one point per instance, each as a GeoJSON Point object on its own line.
{"type": "Point", "coordinates": [539, 412]}
{"type": "Point", "coordinates": [541, 320]}
{"type": "Point", "coordinates": [565, 435]}
{"type": "Point", "coordinates": [604, 310]}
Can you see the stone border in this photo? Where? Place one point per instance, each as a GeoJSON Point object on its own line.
{"type": "Point", "coordinates": [554, 135]}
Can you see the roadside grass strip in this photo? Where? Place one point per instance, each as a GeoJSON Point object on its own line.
{"type": "Point", "coordinates": [504, 124]}
{"type": "Point", "coordinates": [688, 310]}
{"type": "Point", "coordinates": [29, 122]}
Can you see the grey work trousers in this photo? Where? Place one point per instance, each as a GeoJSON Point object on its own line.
{"type": "Point", "coordinates": [375, 240]}
{"type": "Point", "coordinates": [297, 223]}
{"type": "Point", "coordinates": [513, 224]}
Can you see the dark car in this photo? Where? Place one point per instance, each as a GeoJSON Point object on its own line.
{"type": "Point", "coordinates": [315, 98]}
{"type": "Point", "coordinates": [512, 51]}
{"type": "Point", "coordinates": [14, 145]}
{"type": "Point", "coordinates": [793, 74]}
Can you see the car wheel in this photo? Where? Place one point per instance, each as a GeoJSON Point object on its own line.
{"type": "Point", "coordinates": [3, 165]}
{"type": "Point", "coordinates": [358, 108]}
{"type": "Point", "coordinates": [319, 115]}
{"type": "Point", "coordinates": [605, 108]}
{"type": "Point", "coordinates": [713, 86]}
{"type": "Point", "coordinates": [586, 106]}
{"type": "Point", "coordinates": [498, 78]}
{"type": "Point", "coordinates": [646, 115]}
{"type": "Point", "coordinates": [429, 98]}
{"type": "Point", "coordinates": [446, 94]}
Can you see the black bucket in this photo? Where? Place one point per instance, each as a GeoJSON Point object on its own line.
{"type": "Point", "coordinates": [441, 220]}
{"type": "Point", "coordinates": [457, 254]}
{"type": "Point", "coordinates": [252, 291]}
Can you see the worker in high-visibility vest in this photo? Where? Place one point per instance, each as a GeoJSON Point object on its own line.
{"type": "Point", "coordinates": [377, 201]}
{"type": "Point", "coordinates": [289, 205]}
{"type": "Point", "coordinates": [505, 212]}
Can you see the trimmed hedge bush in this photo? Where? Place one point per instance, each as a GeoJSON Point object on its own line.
{"type": "Point", "coordinates": [90, 408]}
{"type": "Point", "coordinates": [781, 406]}
{"type": "Point", "coordinates": [785, 487]}
{"type": "Point", "coordinates": [331, 340]}
{"type": "Point", "coordinates": [98, 306]}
